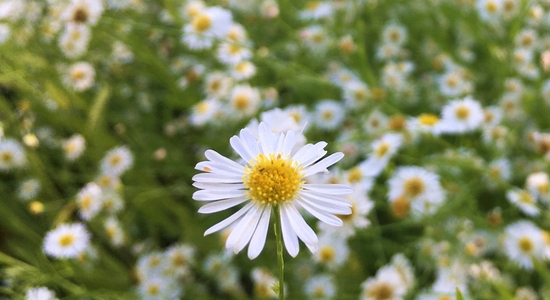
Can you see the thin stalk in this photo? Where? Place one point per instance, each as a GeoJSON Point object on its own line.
{"type": "Point", "coordinates": [280, 258]}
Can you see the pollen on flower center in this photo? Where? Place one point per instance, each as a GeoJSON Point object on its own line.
{"type": "Point", "coordinates": [462, 112]}
{"type": "Point", "coordinates": [6, 157]}
{"type": "Point", "coordinates": [428, 119]}
{"type": "Point", "coordinates": [525, 244]}
{"type": "Point", "coordinates": [272, 179]}
{"type": "Point", "coordinates": [414, 186]}
{"type": "Point", "coordinates": [66, 240]}
{"type": "Point", "coordinates": [202, 22]}
{"type": "Point", "coordinates": [381, 291]}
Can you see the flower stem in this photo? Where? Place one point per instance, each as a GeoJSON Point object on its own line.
{"type": "Point", "coordinates": [280, 259]}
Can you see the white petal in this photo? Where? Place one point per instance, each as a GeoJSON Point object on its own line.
{"type": "Point", "coordinates": [210, 195]}
{"type": "Point", "coordinates": [237, 145]}
{"type": "Point", "coordinates": [321, 215]}
{"type": "Point", "coordinates": [234, 217]}
{"type": "Point", "coordinates": [223, 161]}
{"type": "Point", "coordinates": [331, 189]}
{"type": "Point", "coordinates": [218, 186]}
{"type": "Point", "coordinates": [280, 141]}
{"type": "Point", "coordinates": [329, 207]}
{"type": "Point", "coordinates": [302, 229]}
{"type": "Point", "coordinates": [325, 198]}
{"type": "Point", "coordinates": [244, 229]}
{"type": "Point", "coordinates": [289, 142]}
{"type": "Point", "coordinates": [216, 168]}
{"type": "Point", "coordinates": [268, 139]}
{"type": "Point", "coordinates": [209, 177]}
{"type": "Point", "coordinates": [311, 154]}
{"type": "Point", "coordinates": [257, 242]}
{"type": "Point", "coordinates": [289, 236]}
{"type": "Point", "coordinates": [221, 205]}
{"type": "Point", "coordinates": [250, 142]}
{"type": "Point", "coordinates": [322, 165]}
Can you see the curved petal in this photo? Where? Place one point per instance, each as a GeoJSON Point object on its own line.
{"type": "Point", "coordinates": [250, 142]}
{"type": "Point", "coordinates": [237, 145]}
{"type": "Point", "coordinates": [209, 177]}
{"type": "Point", "coordinates": [322, 165]}
{"type": "Point", "coordinates": [268, 139]}
{"type": "Point", "coordinates": [257, 242]}
{"type": "Point", "coordinates": [242, 232]}
{"type": "Point", "coordinates": [218, 186]}
{"type": "Point", "coordinates": [302, 229]}
{"type": "Point", "coordinates": [289, 236]}
{"type": "Point", "coordinates": [329, 207]}
{"type": "Point", "coordinates": [222, 160]}
{"type": "Point", "coordinates": [226, 222]}
{"type": "Point", "coordinates": [331, 189]}
{"type": "Point", "coordinates": [221, 205]}
{"type": "Point", "coordinates": [321, 215]}
{"type": "Point", "coordinates": [211, 195]}
{"type": "Point", "coordinates": [311, 154]}
{"type": "Point", "coordinates": [325, 198]}
{"type": "Point", "coordinates": [289, 142]}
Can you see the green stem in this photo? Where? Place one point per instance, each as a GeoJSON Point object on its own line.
{"type": "Point", "coordinates": [280, 259]}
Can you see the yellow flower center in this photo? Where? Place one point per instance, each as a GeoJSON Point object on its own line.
{"type": "Point", "coordinates": [178, 260]}
{"type": "Point", "coordinates": [115, 160]}
{"type": "Point", "coordinates": [327, 254]}
{"type": "Point", "coordinates": [462, 112]}
{"type": "Point", "coordinates": [319, 291]}
{"type": "Point", "coordinates": [394, 36]}
{"type": "Point", "coordinates": [273, 179]}
{"type": "Point", "coordinates": [202, 22]}
{"type": "Point", "coordinates": [36, 207]}
{"type": "Point", "coordinates": [78, 74]}
{"type": "Point", "coordinates": [509, 6]}
{"type": "Point", "coordinates": [526, 197]}
{"type": "Point", "coordinates": [381, 291]}
{"type": "Point", "coordinates": [66, 240]}
{"type": "Point", "coordinates": [234, 49]}
{"type": "Point", "coordinates": [348, 218]}
{"type": "Point", "coordinates": [525, 244]}
{"type": "Point", "coordinates": [400, 207]}
{"type": "Point", "coordinates": [80, 15]}
{"type": "Point", "coordinates": [327, 115]}
{"type": "Point", "coordinates": [382, 149]}
{"type": "Point", "coordinates": [241, 102]}
{"type": "Point", "coordinates": [111, 232]}
{"type": "Point", "coordinates": [105, 181]}
{"type": "Point", "coordinates": [444, 297]}
{"type": "Point", "coordinates": [428, 119]}
{"type": "Point", "coordinates": [86, 202]}
{"type": "Point", "coordinates": [397, 123]}
{"type": "Point", "coordinates": [355, 175]}
{"type": "Point", "coordinates": [242, 66]}
{"type": "Point", "coordinates": [6, 157]}
{"type": "Point", "coordinates": [452, 81]}
{"type": "Point", "coordinates": [414, 186]}
{"type": "Point", "coordinates": [153, 289]}
{"type": "Point", "coordinates": [233, 35]}
{"type": "Point", "coordinates": [491, 7]}
{"type": "Point", "coordinates": [312, 5]}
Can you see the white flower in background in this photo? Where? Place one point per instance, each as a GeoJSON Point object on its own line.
{"type": "Point", "coordinates": [217, 85]}
{"type": "Point", "coordinates": [244, 100]}
{"type": "Point", "coordinates": [492, 116]}
{"type": "Point", "coordinates": [40, 293]}
{"type": "Point", "coordinates": [205, 112]}
{"type": "Point", "coordinates": [524, 200]}
{"type": "Point", "coordinates": [382, 151]}
{"type": "Point", "coordinates": [74, 146]}
{"type": "Point", "coordinates": [523, 243]}
{"type": "Point", "coordinates": [273, 176]}
{"type": "Point", "coordinates": [387, 285]}
{"type": "Point", "coordinates": [159, 287]}
{"type": "Point", "coordinates": [243, 70]}
{"type": "Point", "coordinates": [232, 53]}
{"type": "Point", "coordinates": [29, 188]}
{"type": "Point", "coordinates": [83, 11]}
{"type": "Point", "coordinates": [66, 241]}
{"type": "Point", "coordinates": [263, 283]}
{"type": "Point", "coordinates": [329, 114]}
{"type": "Point", "coordinates": [192, 8]}
{"type": "Point", "coordinates": [107, 182]}
{"type": "Point", "coordinates": [316, 10]}
{"type": "Point", "coordinates": [80, 76]}
{"type": "Point", "coordinates": [180, 258]}
{"type": "Point", "coordinates": [355, 94]}
{"type": "Point", "coordinates": [114, 231]}
{"type": "Point", "coordinates": [205, 26]}
{"type": "Point", "coordinates": [333, 250]}
{"type": "Point", "coordinates": [89, 201]}
{"type": "Point", "coordinates": [74, 40]}
{"type": "Point", "coordinates": [236, 33]}
{"type": "Point", "coordinates": [5, 33]}
{"type": "Point", "coordinates": [320, 287]}
{"type": "Point", "coordinates": [394, 34]}
{"type": "Point", "coordinates": [489, 10]}
{"type": "Point", "coordinates": [538, 184]}
{"type": "Point", "coordinates": [12, 155]}
{"type": "Point", "coordinates": [461, 115]}
{"type": "Point", "coordinates": [425, 123]}
{"type": "Point", "coordinates": [117, 161]}
{"type": "Point", "coordinates": [112, 202]}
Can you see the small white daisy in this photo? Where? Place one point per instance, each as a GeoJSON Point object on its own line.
{"type": "Point", "coordinates": [394, 34]}
{"type": "Point", "coordinates": [273, 177]}
{"type": "Point", "coordinates": [333, 250]}
{"type": "Point", "coordinates": [73, 147]}
{"type": "Point", "coordinates": [329, 114]}
{"type": "Point", "coordinates": [80, 76]}
{"type": "Point", "coordinates": [74, 40]}
{"type": "Point", "coordinates": [538, 184]}
{"type": "Point", "coordinates": [231, 53]}
{"type": "Point", "coordinates": [382, 151]}
{"type": "Point", "coordinates": [385, 285]}
{"type": "Point", "coordinates": [66, 241]}
{"type": "Point", "coordinates": [29, 188]}
{"type": "Point", "coordinates": [320, 287]}
{"type": "Point", "coordinates": [12, 155]}
{"type": "Point", "coordinates": [524, 200]}
{"type": "Point", "coordinates": [83, 11]}
{"type": "Point", "coordinates": [243, 70]}
{"type": "Point", "coordinates": [523, 243]}
{"type": "Point", "coordinates": [462, 115]}
{"type": "Point", "coordinates": [205, 26]}
{"type": "Point", "coordinates": [114, 232]}
{"type": "Point", "coordinates": [217, 85]}
{"type": "Point", "coordinates": [316, 10]}
{"type": "Point", "coordinates": [205, 112]}
{"type": "Point", "coordinates": [89, 201]}
{"type": "Point", "coordinates": [117, 161]}
{"type": "Point", "coordinates": [244, 100]}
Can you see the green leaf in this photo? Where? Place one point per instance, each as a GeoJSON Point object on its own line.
{"type": "Point", "coordinates": [459, 295]}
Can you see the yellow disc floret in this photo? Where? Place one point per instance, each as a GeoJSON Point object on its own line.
{"type": "Point", "coordinates": [272, 179]}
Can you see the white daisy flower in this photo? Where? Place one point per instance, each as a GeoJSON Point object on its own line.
{"type": "Point", "coordinates": [74, 40]}
{"type": "Point", "coordinates": [538, 184]}
{"type": "Point", "coordinates": [320, 287]}
{"type": "Point", "coordinates": [180, 257]}
{"type": "Point", "coordinates": [73, 147]}
{"type": "Point", "coordinates": [420, 186]}
{"type": "Point", "coordinates": [424, 123]}
{"type": "Point", "coordinates": [83, 11]}
{"type": "Point", "coordinates": [263, 283]}
{"type": "Point", "coordinates": [80, 76]}
{"type": "Point", "coordinates": [66, 241]}
{"type": "Point", "coordinates": [117, 161]}
{"type": "Point", "coordinates": [394, 34]}
{"type": "Point", "coordinates": [89, 201]}
{"type": "Point", "coordinates": [29, 188]}
{"type": "Point", "coordinates": [376, 121]}
{"type": "Point", "coordinates": [461, 116]}
{"type": "Point", "coordinates": [40, 293]}
{"type": "Point", "coordinates": [243, 70]}
{"type": "Point", "coordinates": [232, 53]}
{"type": "Point", "coordinates": [205, 26]}
{"type": "Point", "coordinates": [217, 85]}
{"type": "Point", "coordinates": [159, 287]}
{"type": "Point", "coordinates": [523, 243]}
{"type": "Point", "coordinates": [489, 10]}
{"type": "Point", "coordinates": [524, 200]}
{"type": "Point", "coordinates": [387, 285]}
{"type": "Point", "coordinates": [112, 202]}
{"type": "Point", "coordinates": [114, 231]}
{"type": "Point", "coordinates": [205, 112]}
{"type": "Point", "coordinates": [273, 176]}
{"type": "Point", "coordinates": [492, 116]}
{"type": "Point", "coordinates": [382, 151]}
{"type": "Point", "coordinates": [244, 100]}
{"type": "Point", "coordinates": [329, 114]}
{"type": "Point", "coordinates": [107, 182]}
{"type": "Point", "coordinates": [316, 10]}
{"type": "Point", "coordinates": [333, 250]}
{"type": "Point", "coordinates": [192, 8]}
{"type": "Point", "coordinates": [12, 155]}
{"type": "Point", "coordinates": [356, 94]}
